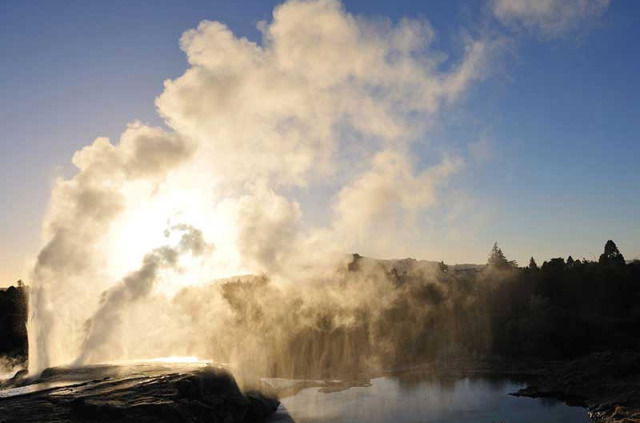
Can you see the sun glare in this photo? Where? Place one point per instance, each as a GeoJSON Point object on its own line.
{"type": "Point", "coordinates": [147, 223]}
{"type": "Point", "coordinates": [173, 359]}
{"type": "Point", "coordinates": [178, 359]}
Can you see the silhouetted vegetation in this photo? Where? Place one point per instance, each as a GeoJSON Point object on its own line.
{"type": "Point", "coordinates": [395, 313]}
{"type": "Point", "coordinates": [563, 309]}
{"type": "Point", "coordinates": [568, 309]}
{"type": "Point", "coordinates": [13, 318]}
{"type": "Point", "coordinates": [412, 311]}
{"type": "Point", "coordinates": [498, 260]}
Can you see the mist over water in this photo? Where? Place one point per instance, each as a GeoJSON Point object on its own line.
{"type": "Point", "coordinates": [466, 400]}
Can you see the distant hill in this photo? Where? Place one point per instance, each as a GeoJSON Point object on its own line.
{"type": "Point", "coordinates": [415, 264]}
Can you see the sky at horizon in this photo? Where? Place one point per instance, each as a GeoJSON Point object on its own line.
{"type": "Point", "coordinates": [551, 136]}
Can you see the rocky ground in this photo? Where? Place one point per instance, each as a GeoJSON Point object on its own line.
{"type": "Point", "coordinates": [141, 393]}
{"type": "Point", "coordinates": [608, 384]}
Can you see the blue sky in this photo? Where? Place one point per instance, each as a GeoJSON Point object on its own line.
{"type": "Point", "coordinates": [558, 119]}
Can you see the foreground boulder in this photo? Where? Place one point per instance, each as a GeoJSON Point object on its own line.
{"type": "Point", "coordinates": [135, 394]}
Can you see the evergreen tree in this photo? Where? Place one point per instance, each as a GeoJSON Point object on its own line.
{"type": "Point", "coordinates": [554, 264]}
{"type": "Point", "coordinates": [498, 260]}
{"type": "Point", "coordinates": [532, 264]}
{"type": "Point", "coordinates": [611, 255]}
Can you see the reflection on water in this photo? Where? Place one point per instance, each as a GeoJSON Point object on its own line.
{"type": "Point", "coordinates": [409, 399]}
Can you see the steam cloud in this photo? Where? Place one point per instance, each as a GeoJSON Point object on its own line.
{"type": "Point", "coordinates": [66, 276]}
{"type": "Point", "coordinates": [135, 286]}
{"type": "Point", "coordinates": [549, 18]}
{"type": "Point", "coordinates": [327, 99]}
{"type": "Point", "coordinates": [326, 102]}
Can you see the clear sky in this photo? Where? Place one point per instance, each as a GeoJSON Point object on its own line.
{"type": "Point", "coordinates": [555, 128]}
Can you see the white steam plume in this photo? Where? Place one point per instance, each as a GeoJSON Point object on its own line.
{"type": "Point", "coordinates": [67, 276]}
{"type": "Point", "coordinates": [548, 18]}
{"type": "Point", "coordinates": [135, 287]}
{"type": "Point", "coordinates": [327, 99]}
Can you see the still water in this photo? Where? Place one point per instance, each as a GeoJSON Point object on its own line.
{"type": "Point", "coordinates": [466, 400]}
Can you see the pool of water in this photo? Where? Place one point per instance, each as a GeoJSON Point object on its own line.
{"type": "Point", "coordinates": [393, 399]}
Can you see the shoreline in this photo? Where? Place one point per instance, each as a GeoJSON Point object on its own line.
{"type": "Point", "coordinates": [607, 384]}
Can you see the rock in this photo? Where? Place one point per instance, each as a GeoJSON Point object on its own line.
{"type": "Point", "coordinates": [137, 394]}
{"type": "Point", "coordinates": [607, 383]}
{"type": "Point", "coordinates": [20, 375]}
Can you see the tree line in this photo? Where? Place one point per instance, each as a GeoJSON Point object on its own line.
{"type": "Point", "coordinates": [13, 321]}
{"type": "Point", "coordinates": [566, 308]}
{"type": "Point", "coordinates": [416, 312]}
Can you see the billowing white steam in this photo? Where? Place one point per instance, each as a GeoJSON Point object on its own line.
{"type": "Point", "coordinates": [133, 287]}
{"type": "Point", "coordinates": [327, 101]}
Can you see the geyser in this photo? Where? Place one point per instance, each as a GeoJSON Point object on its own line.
{"type": "Point", "coordinates": [326, 107]}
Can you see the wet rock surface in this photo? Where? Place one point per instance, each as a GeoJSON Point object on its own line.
{"type": "Point", "coordinates": [608, 384]}
{"type": "Point", "coordinates": [133, 394]}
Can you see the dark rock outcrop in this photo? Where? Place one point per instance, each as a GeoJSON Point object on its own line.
{"type": "Point", "coordinates": [607, 383]}
{"type": "Point", "coordinates": [135, 394]}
